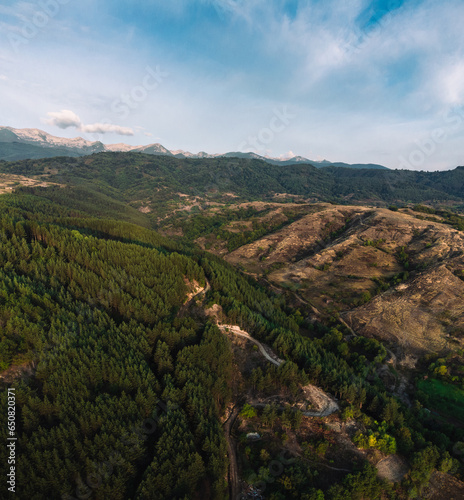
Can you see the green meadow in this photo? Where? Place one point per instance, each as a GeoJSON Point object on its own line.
{"type": "Point", "coordinates": [445, 398]}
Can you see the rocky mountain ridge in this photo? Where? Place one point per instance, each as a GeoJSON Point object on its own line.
{"type": "Point", "coordinates": [25, 141]}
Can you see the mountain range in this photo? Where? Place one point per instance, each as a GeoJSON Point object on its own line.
{"type": "Point", "coordinates": [31, 143]}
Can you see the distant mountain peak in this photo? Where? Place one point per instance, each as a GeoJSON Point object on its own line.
{"type": "Point", "coordinates": [40, 138]}
{"type": "Point", "coordinates": [78, 146]}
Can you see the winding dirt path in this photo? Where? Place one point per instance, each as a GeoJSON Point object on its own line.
{"type": "Point", "coordinates": [328, 406]}
{"type": "Point", "coordinates": [264, 349]}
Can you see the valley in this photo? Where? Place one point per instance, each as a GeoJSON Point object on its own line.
{"type": "Point", "coordinates": [296, 336]}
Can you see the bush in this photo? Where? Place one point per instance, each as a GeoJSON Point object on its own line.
{"type": "Point", "coordinates": [248, 411]}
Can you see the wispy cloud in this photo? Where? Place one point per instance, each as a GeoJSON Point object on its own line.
{"type": "Point", "coordinates": [366, 81]}
{"type": "Point", "coordinates": [65, 119]}
{"type": "Point", "coordinates": [106, 128]}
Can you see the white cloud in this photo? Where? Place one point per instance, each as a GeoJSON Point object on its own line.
{"type": "Point", "coordinates": [452, 83]}
{"type": "Point", "coordinates": [364, 91]}
{"type": "Point", "coordinates": [233, 7]}
{"type": "Point", "coordinates": [19, 10]}
{"type": "Point", "coordinates": [66, 118]}
{"type": "Point", "coordinates": [106, 128]}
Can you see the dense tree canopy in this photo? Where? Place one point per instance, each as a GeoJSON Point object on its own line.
{"type": "Point", "coordinates": [128, 390]}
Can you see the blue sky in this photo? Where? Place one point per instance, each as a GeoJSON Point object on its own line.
{"type": "Point", "coordinates": [346, 80]}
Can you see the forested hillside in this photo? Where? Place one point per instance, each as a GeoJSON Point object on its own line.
{"type": "Point", "coordinates": [123, 380]}
{"type": "Point", "coordinates": [162, 184]}
{"type": "Point", "coordinates": [93, 307]}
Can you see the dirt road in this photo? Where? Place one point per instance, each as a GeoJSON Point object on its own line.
{"type": "Point", "coordinates": [327, 403]}
{"type": "Point", "coordinates": [265, 350]}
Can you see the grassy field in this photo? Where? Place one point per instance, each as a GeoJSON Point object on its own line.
{"type": "Point", "coordinates": [445, 398]}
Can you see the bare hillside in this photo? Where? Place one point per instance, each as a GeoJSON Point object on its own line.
{"type": "Point", "coordinates": [389, 274]}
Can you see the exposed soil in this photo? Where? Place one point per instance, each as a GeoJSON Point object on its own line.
{"type": "Point", "coordinates": [443, 487]}
{"type": "Point", "coordinates": [338, 257]}
{"type": "Point", "coordinates": [9, 182]}
{"type": "Point", "coordinates": [15, 372]}
{"type": "Point", "coordinates": [392, 468]}
{"type": "Point", "coordinates": [420, 315]}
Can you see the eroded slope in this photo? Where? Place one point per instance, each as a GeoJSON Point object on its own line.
{"type": "Point", "coordinates": [388, 273]}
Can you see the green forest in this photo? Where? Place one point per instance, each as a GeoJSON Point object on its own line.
{"type": "Point", "coordinates": [160, 179]}
{"type": "Point", "coordinates": [130, 381]}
